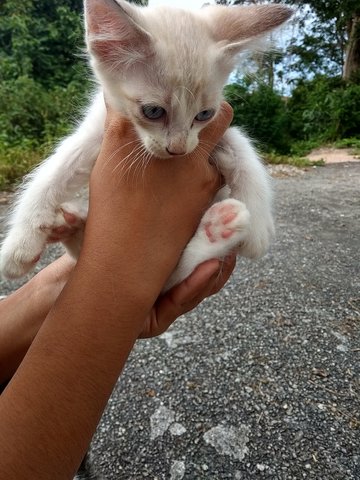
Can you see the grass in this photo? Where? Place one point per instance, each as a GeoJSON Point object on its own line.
{"type": "Point", "coordinates": [15, 162]}
{"type": "Point", "coordinates": [300, 149]}
{"type": "Point", "coordinates": [352, 143]}
{"type": "Point", "coordinates": [294, 160]}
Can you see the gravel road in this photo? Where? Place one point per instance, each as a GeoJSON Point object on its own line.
{"type": "Point", "coordinates": [263, 380]}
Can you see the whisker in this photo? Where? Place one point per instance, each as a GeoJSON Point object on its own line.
{"type": "Point", "coordinates": [134, 153]}
{"type": "Point", "coordinates": [118, 150]}
{"type": "Point", "coordinates": [217, 146]}
{"type": "Point", "coordinates": [147, 160]}
{"type": "Point", "coordinates": [140, 163]}
{"type": "Point", "coordinates": [177, 98]}
{"type": "Point", "coordinates": [188, 90]}
{"type": "Point", "coordinates": [135, 161]}
{"type": "Point", "coordinates": [120, 164]}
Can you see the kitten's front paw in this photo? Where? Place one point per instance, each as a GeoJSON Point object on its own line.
{"type": "Point", "coordinates": [22, 248]}
{"type": "Point", "coordinates": [222, 230]}
{"type": "Point", "coordinates": [19, 253]}
{"type": "Point", "coordinates": [224, 226]}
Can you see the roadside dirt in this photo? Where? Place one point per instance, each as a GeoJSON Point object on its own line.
{"type": "Point", "coordinates": [333, 155]}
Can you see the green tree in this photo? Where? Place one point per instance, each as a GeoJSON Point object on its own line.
{"type": "Point", "coordinates": [262, 113]}
{"type": "Point", "coordinates": [332, 34]}
{"type": "Point", "coordinates": [40, 39]}
{"type": "Point", "coordinates": [324, 109]}
{"type": "Point", "coordinates": [43, 40]}
{"type": "Point", "coordinates": [328, 38]}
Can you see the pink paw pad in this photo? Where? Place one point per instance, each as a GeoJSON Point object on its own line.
{"type": "Point", "coordinates": [65, 225]}
{"type": "Point", "coordinates": [224, 219]}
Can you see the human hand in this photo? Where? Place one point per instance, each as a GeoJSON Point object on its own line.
{"type": "Point", "coordinates": [143, 215]}
{"type": "Point", "coordinates": [68, 230]}
{"type": "Point", "coordinates": [207, 279]}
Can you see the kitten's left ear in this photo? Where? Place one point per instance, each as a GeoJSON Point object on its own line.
{"type": "Point", "coordinates": [114, 33]}
{"type": "Point", "coordinates": [236, 28]}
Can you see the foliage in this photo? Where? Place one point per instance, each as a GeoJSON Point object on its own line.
{"type": "Point", "coordinates": [319, 111]}
{"type": "Point", "coordinates": [29, 111]}
{"type": "Point", "coordinates": [17, 161]}
{"type": "Point", "coordinates": [44, 81]}
{"type": "Point", "coordinates": [294, 160]}
{"type": "Point", "coordinates": [262, 113]}
{"type": "Point", "coordinates": [351, 142]}
{"type": "Point", "coordinates": [324, 108]}
{"type": "Point", "coordinates": [39, 40]}
{"type": "Point", "coordinates": [330, 35]}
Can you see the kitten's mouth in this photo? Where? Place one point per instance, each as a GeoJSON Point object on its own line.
{"type": "Point", "coordinates": [166, 155]}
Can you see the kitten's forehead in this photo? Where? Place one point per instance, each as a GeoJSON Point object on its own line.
{"type": "Point", "coordinates": [182, 71]}
{"type": "Point", "coordinates": [185, 53]}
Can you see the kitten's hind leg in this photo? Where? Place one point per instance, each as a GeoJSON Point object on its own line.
{"type": "Point", "coordinates": [222, 229]}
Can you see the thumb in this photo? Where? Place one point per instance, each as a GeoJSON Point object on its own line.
{"type": "Point", "coordinates": [214, 131]}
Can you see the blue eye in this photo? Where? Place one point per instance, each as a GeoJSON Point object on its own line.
{"type": "Point", "coordinates": [205, 115]}
{"type": "Point", "coordinates": [153, 112]}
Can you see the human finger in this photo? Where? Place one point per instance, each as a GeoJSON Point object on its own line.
{"type": "Point", "coordinates": [206, 280]}
{"type": "Point", "coordinates": [213, 132]}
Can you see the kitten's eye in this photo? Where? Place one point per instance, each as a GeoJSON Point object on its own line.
{"type": "Point", "coordinates": [153, 112]}
{"type": "Point", "coordinates": [205, 115]}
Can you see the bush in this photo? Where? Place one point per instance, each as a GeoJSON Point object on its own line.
{"type": "Point", "coordinates": [30, 112]}
{"type": "Point", "coordinates": [324, 109]}
{"type": "Point", "coordinates": [17, 161]}
{"type": "Point", "coordinates": [32, 119]}
{"type": "Point", "coordinates": [263, 114]}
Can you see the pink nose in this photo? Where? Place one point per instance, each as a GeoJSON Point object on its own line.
{"type": "Point", "coordinates": [176, 151]}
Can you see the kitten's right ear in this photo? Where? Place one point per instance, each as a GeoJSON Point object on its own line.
{"type": "Point", "coordinates": [114, 34]}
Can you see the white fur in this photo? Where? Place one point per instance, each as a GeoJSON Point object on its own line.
{"type": "Point", "coordinates": [162, 56]}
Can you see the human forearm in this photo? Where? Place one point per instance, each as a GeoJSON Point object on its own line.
{"type": "Point", "coordinates": [133, 239]}
{"type": "Point", "coordinates": [73, 363]}
{"type": "Point", "coordinates": [23, 312]}
{"type": "Point", "coordinates": [83, 344]}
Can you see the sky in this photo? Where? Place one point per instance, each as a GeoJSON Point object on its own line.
{"type": "Point", "coordinates": [179, 3]}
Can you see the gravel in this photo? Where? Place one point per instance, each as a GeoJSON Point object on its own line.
{"type": "Point", "coordinates": [263, 380]}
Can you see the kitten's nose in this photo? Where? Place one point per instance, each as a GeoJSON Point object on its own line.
{"type": "Point", "coordinates": [176, 151]}
{"type": "Point", "coordinates": [177, 143]}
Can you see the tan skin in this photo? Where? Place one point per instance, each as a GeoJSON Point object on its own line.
{"type": "Point", "coordinates": [77, 348]}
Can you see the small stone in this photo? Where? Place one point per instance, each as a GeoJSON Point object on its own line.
{"type": "Point", "coordinates": [177, 470]}
{"type": "Point", "coordinates": [177, 429]}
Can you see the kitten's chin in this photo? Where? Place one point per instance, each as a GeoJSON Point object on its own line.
{"type": "Point", "coordinates": [164, 155]}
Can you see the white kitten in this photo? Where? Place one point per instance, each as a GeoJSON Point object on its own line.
{"type": "Point", "coordinates": [164, 68]}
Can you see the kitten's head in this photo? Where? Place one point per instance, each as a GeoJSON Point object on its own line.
{"type": "Point", "coordinates": [165, 68]}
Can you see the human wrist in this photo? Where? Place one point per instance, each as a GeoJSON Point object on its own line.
{"type": "Point", "coordinates": [49, 282]}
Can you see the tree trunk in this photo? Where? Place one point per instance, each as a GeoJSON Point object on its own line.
{"type": "Point", "coordinates": [352, 57]}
